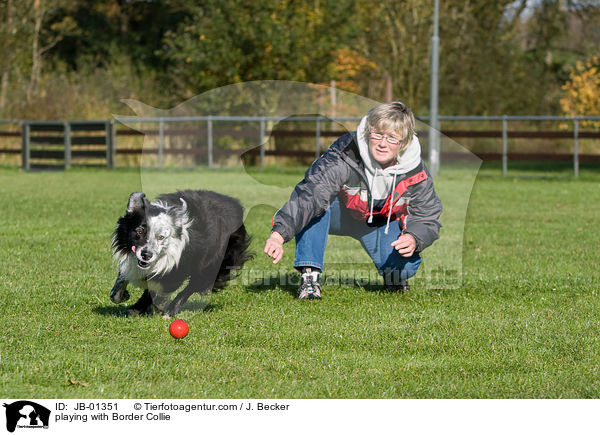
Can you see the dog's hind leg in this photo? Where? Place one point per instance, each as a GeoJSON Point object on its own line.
{"type": "Point", "coordinates": [178, 301]}
{"type": "Point", "coordinates": [142, 306]}
{"type": "Point", "coordinates": [200, 282]}
{"type": "Point", "coordinates": [119, 291]}
{"type": "Point", "coordinates": [197, 284]}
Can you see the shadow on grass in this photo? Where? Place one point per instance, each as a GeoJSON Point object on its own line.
{"type": "Point", "coordinates": [118, 310]}
{"type": "Point", "coordinates": [289, 283]}
{"type": "Point", "coordinates": [208, 307]}
{"type": "Point", "coordinates": [109, 310]}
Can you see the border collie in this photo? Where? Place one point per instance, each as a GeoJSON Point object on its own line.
{"type": "Point", "coordinates": [192, 237]}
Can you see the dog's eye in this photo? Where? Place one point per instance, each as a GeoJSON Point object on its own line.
{"type": "Point", "coordinates": [161, 237]}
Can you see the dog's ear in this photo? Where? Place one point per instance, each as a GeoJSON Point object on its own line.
{"type": "Point", "coordinates": [179, 213]}
{"type": "Point", "coordinates": [183, 209]}
{"type": "Point", "coordinates": [137, 202]}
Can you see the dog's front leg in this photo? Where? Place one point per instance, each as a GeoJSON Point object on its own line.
{"type": "Point", "coordinates": [142, 306]}
{"type": "Point", "coordinates": [156, 289]}
{"type": "Point", "coordinates": [119, 291]}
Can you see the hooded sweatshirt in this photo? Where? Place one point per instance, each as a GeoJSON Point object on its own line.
{"type": "Point", "coordinates": [382, 181]}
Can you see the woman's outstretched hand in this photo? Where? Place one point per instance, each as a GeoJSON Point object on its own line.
{"type": "Point", "coordinates": [274, 247]}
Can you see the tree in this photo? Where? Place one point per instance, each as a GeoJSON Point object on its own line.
{"type": "Point", "coordinates": [395, 36]}
{"type": "Point", "coordinates": [45, 38]}
{"type": "Point", "coordinates": [350, 70]}
{"type": "Point", "coordinates": [229, 41]}
{"type": "Point", "coordinates": [582, 91]}
{"type": "Point", "coordinates": [477, 50]}
{"type": "Point", "coordinates": [484, 69]}
{"type": "Point", "coordinates": [7, 31]}
{"type": "Point", "coordinates": [13, 47]}
{"type": "Point", "coordinates": [497, 56]}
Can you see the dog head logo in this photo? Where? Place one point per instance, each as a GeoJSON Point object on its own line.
{"type": "Point", "coordinates": [25, 414]}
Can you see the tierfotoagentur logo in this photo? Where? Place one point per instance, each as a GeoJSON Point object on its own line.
{"type": "Point", "coordinates": [26, 415]}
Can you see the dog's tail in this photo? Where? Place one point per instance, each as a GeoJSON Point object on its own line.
{"type": "Point", "coordinates": [236, 255]}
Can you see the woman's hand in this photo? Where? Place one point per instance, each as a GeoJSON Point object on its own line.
{"type": "Point", "coordinates": [405, 245]}
{"type": "Point", "coordinates": [274, 247]}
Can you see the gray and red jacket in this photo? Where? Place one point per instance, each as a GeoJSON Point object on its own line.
{"type": "Point", "coordinates": [340, 172]}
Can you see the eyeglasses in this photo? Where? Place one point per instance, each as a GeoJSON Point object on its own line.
{"type": "Point", "coordinates": [377, 137]}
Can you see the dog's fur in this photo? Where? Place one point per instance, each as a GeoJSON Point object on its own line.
{"type": "Point", "coordinates": [188, 235]}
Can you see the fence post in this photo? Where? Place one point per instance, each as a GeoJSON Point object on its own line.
{"type": "Point", "coordinates": [209, 138]}
{"type": "Point", "coordinates": [161, 142]}
{"type": "Point", "coordinates": [110, 162]}
{"type": "Point", "coordinates": [576, 147]}
{"type": "Point", "coordinates": [504, 146]}
{"type": "Point", "coordinates": [25, 149]}
{"type": "Point", "coordinates": [318, 139]}
{"type": "Point", "coordinates": [262, 142]}
{"type": "Point", "coordinates": [67, 132]}
{"type": "Point", "coordinates": [113, 141]}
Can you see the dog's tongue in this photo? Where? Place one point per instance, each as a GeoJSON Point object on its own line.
{"type": "Point", "coordinates": [133, 249]}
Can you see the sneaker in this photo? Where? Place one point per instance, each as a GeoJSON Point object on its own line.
{"type": "Point", "coordinates": [310, 288]}
{"type": "Point", "coordinates": [394, 283]}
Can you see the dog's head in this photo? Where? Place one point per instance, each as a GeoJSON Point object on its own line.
{"type": "Point", "coordinates": [153, 233]}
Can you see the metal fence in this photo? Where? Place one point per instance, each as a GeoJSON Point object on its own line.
{"type": "Point", "coordinates": [575, 134]}
{"type": "Point", "coordinates": [262, 121]}
{"type": "Point", "coordinates": [52, 145]}
{"type": "Point", "coordinates": [112, 132]}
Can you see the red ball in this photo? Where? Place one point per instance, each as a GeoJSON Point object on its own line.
{"type": "Point", "coordinates": [179, 328]}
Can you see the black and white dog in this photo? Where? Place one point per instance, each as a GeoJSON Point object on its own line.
{"type": "Point", "coordinates": [188, 235]}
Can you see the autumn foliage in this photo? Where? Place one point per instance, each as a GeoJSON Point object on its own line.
{"type": "Point", "coordinates": [582, 91]}
{"type": "Point", "coordinates": [350, 69]}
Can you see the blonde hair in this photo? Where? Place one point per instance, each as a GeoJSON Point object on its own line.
{"type": "Point", "coordinates": [395, 117]}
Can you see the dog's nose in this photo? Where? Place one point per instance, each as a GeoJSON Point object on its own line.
{"type": "Point", "coordinates": [146, 255]}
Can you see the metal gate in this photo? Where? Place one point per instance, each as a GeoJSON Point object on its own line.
{"type": "Point", "coordinates": [57, 145]}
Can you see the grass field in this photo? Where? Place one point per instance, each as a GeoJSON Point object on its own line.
{"type": "Point", "coordinates": [524, 323]}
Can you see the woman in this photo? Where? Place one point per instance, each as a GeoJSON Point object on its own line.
{"type": "Point", "coordinates": [371, 185]}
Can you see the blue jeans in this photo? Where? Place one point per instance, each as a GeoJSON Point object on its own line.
{"type": "Point", "coordinates": [312, 240]}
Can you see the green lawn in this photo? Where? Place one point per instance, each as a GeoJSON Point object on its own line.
{"type": "Point", "coordinates": [523, 324]}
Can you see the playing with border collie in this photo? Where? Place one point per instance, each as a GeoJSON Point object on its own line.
{"type": "Point", "coordinates": [192, 237]}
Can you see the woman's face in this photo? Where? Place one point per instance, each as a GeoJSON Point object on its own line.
{"type": "Point", "coordinates": [384, 147]}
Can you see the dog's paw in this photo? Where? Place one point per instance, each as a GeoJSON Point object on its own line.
{"type": "Point", "coordinates": [120, 297]}
{"type": "Point", "coordinates": [125, 296]}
